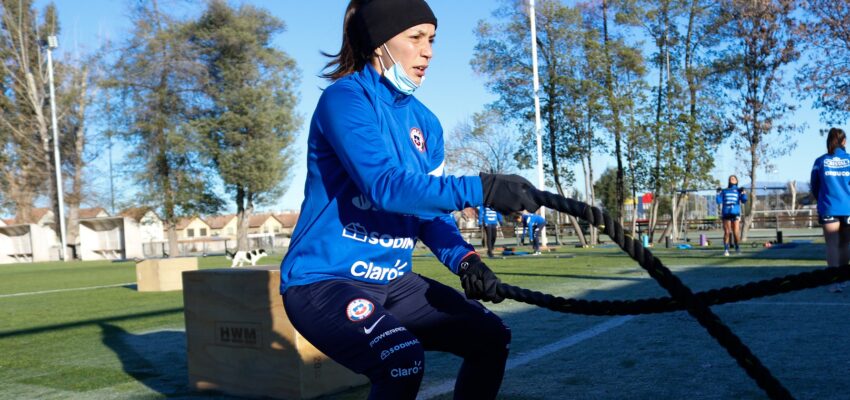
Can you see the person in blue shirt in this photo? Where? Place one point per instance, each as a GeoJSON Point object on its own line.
{"type": "Point", "coordinates": [830, 184]}
{"type": "Point", "coordinates": [490, 220]}
{"type": "Point", "coordinates": [533, 224]}
{"type": "Point", "coordinates": [729, 200]}
{"type": "Point", "coordinates": [375, 187]}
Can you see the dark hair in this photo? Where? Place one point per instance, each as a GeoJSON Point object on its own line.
{"type": "Point", "coordinates": [352, 57]}
{"type": "Point", "coordinates": [729, 182]}
{"type": "Point", "coordinates": [834, 139]}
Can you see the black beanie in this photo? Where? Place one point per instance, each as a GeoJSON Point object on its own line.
{"type": "Point", "coordinates": [377, 21]}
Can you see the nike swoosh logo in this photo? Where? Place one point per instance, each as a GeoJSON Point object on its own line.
{"type": "Point", "coordinates": [369, 329]}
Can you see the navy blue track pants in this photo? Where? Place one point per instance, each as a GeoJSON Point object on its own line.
{"type": "Point", "coordinates": [382, 331]}
{"type": "Point", "coordinates": [535, 244]}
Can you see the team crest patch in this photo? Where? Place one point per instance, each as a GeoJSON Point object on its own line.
{"type": "Point", "coordinates": [359, 309]}
{"type": "Point", "coordinates": [418, 139]}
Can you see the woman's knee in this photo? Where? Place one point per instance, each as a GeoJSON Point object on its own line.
{"type": "Point", "coordinates": [400, 371]}
{"type": "Point", "coordinates": [831, 234]}
{"type": "Point", "coordinates": [844, 236]}
{"type": "Point", "coordinates": [831, 228]}
{"type": "Point", "coordinates": [492, 340]}
{"type": "Point", "coordinates": [502, 337]}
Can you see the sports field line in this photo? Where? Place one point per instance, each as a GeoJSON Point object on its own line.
{"type": "Point", "coordinates": [66, 290]}
{"type": "Point", "coordinates": [447, 385]}
{"type": "Point", "coordinates": [795, 303]}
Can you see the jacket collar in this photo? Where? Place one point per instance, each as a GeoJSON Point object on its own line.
{"type": "Point", "coordinates": [384, 90]}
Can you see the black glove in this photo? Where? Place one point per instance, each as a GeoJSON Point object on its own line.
{"type": "Point", "coordinates": [478, 281]}
{"type": "Point", "coordinates": [509, 193]}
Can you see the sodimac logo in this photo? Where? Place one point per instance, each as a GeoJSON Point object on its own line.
{"type": "Point", "coordinates": [356, 231]}
{"type": "Point", "coordinates": [836, 162]}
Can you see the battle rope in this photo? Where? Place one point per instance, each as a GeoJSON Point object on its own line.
{"type": "Point", "coordinates": [713, 297]}
{"type": "Point", "coordinates": [681, 297]}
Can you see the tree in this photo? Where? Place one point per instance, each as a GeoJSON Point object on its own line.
{"type": "Point", "coordinates": [826, 75]}
{"type": "Point", "coordinates": [620, 64]}
{"type": "Point", "coordinates": [482, 144]}
{"type": "Point", "coordinates": [503, 55]}
{"type": "Point", "coordinates": [685, 131]}
{"type": "Point", "coordinates": [701, 127]}
{"type": "Point", "coordinates": [28, 168]}
{"type": "Point", "coordinates": [761, 41]}
{"type": "Point", "coordinates": [28, 165]}
{"type": "Point", "coordinates": [585, 99]}
{"type": "Point", "coordinates": [606, 190]}
{"type": "Point", "coordinates": [615, 124]}
{"type": "Point", "coordinates": [637, 150]}
{"type": "Point", "coordinates": [158, 79]}
{"type": "Point", "coordinates": [79, 95]}
{"type": "Point", "coordinates": [250, 121]}
{"type": "Point", "coordinates": [637, 139]}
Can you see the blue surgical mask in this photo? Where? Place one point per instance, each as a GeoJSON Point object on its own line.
{"type": "Point", "coordinates": [397, 77]}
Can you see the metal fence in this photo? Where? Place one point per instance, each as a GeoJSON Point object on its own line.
{"type": "Point", "coordinates": [216, 245]}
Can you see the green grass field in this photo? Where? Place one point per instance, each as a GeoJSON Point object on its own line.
{"type": "Point", "coordinates": [81, 330]}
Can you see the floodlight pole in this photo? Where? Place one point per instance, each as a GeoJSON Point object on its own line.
{"type": "Point", "coordinates": [111, 180]}
{"type": "Point", "coordinates": [52, 43]}
{"type": "Point", "coordinates": [537, 124]}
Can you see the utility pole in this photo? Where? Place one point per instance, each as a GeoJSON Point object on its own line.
{"type": "Point", "coordinates": [537, 124]}
{"type": "Point", "coordinates": [53, 43]}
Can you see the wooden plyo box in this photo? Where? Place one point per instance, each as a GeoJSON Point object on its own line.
{"type": "Point", "coordinates": [240, 341]}
{"type": "Point", "coordinates": [164, 274]}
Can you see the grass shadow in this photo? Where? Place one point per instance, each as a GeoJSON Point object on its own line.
{"type": "Point", "coordinates": [156, 360]}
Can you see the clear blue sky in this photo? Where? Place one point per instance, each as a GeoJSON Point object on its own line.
{"type": "Point", "coordinates": [453, 91]}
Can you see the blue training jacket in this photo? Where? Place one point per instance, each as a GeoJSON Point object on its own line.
{"type": "Point", "coordinates": [830, 182]}
{"type": "Point", "coordinates": [374, 186]}
{"type": "Point", "coordinates": [488, 216]}
{"type": "Point", "coordinates": [529, 222]}
{"type": "Point", "coordinates": [730, 200]}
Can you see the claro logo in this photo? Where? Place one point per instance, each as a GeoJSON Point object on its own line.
{"type": "Point", "coordinates": [376, 272]}
{"type": "Point", "coordinates": [238, 334]}
{"type": "Point", "coordinates": [402, 372]}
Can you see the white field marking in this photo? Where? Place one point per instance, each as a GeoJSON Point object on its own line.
{"type": "Point", "coordinates": [794, 303]}
{"type": "Point", "coordinates": [447, 385]}
{"type": "Point", "coordinates": [158, 331]}
{"type": "Point", "coordinates": [66, 290]}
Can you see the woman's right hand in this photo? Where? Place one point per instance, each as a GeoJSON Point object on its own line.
{"type": "Point", "coordinates": [478, 280]}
